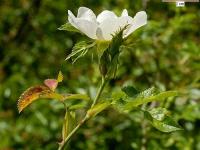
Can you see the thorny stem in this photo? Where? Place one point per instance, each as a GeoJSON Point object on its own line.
{"type": "Point", "coordinates": [64, 142]}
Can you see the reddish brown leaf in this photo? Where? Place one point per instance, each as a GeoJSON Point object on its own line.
{"type": "Point", "coordinates": [42, 91]}
{"type": "Point", "coordinates": [32, 94]}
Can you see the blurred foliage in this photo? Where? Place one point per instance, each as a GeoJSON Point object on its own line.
{"type": "Point", "coordinates": [165, 54]}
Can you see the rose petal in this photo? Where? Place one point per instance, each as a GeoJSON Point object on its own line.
{"type": "Point", "coordinates": [108, 27]}
{"type": "Point", "coordinates": [85, 26]}
{"type": "Point", "coordinates": [106, 24]}
{"type": "Point", "coordinates": [105, 15]}
{"type": "Point", "coordinates": [87, 14]}
{"type": "Point", "coordinates": [124, 13]}
{"type": "Point", "coordinates": [99, 34]}
{"type": "Point", "coordinates": [139, 20]}
{"type": "Point", "coordinates": [112, 25]}
{"type": "Point", "coordinates": [71, 19]}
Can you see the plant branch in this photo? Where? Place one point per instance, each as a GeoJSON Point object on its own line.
{"type": "Point", "coordinates": [99, 92]}
{"type": "Point", "coordinates": [64, 142]}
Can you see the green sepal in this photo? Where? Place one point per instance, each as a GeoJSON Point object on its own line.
{"type": "Point", "coordinates": [80, 49]}
{"type": "Point", "coordinates": [68, 27]}
{"type": "Point", "coordinates": [109, 59]}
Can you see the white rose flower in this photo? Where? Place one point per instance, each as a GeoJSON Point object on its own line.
{"type": "Point", "coordinates": [106, 23]}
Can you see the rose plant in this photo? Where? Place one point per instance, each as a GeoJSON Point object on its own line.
{"type": "Point", "coordinates": [107, 34]}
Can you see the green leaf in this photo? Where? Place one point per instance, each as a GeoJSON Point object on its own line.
{"type": "Point", "coordinates": [68, 27]}
{"type": "Point", "coordinates": [97, 109]}
{"type": "Point", "coordinates": [118, 95]}
{"type": "Point", "coordinates": [130, 91]}
{"type": "Point", "coordinates": [77, 96]}
{"type": "Point", "coordinates": [144, 98]}
{"type": "Point", "coordinates": [148, 92]}
{"type": "Point", "coordinates": [158, 113]}
{"type": "Point", "coordinates": [68, 124]}
{"type": "Point", "coordinates": [77, 106]}
{"type": "Point", "coordinates": [160, 120]}
{"type": "Point", "coordinates": [80, 49]}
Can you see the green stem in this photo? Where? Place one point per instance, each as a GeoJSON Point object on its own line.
{"type": "Point", "coordinates": [63, 143]}
{"type": "Point", "coordinates": [99, 92]}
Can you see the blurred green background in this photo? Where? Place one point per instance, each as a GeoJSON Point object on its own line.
{"type": "Point", "coordinates": [165, 54]}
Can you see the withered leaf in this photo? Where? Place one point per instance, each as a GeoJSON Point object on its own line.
{"type": "Point", "coordinates": [32, 94]}
{"type": "Point", "coordinates": [42, 91]}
